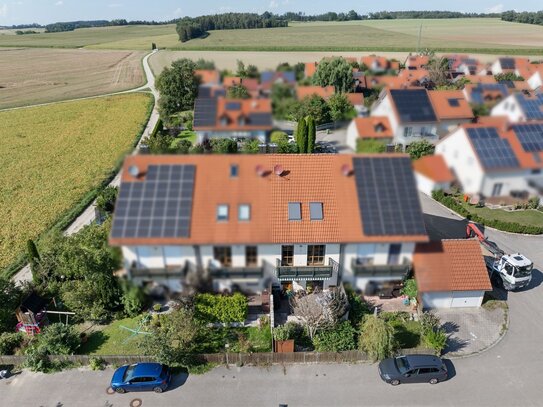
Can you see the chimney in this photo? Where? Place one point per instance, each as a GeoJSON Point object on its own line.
{"type": "Point", "coordinates": [346, 170]}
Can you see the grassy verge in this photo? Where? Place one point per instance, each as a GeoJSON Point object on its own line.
{"type": "Point", "coordinates": [57, 159]}
{"type": "Point", "coordinates": [113, 340]}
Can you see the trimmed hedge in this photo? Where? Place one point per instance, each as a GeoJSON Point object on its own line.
{"type": "Point", "coordinates": [221, 308]}
{"type": "Point", "coordinates": [451, 202]}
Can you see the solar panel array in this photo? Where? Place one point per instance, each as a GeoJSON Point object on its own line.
{"type": "Point", "coordinates": [158, 207]}
{"type": "Point", "coordinates": [493, 151]}
{"type": "Point", "coordinates": [531, 106]}
{"type": "Point", "coordinates": [232, 106]}
{"type": "Point", "coordinates": [530, 136]}
{"type": "Point", "coordinates": [205, 112]}
{"type": "Point", "coordinates": [413, 105]}
{"type": "Point", "coordinates": [387, 196]}
{"type": "Point", "coordinates": [478, 91]}
{"type": "Point", "coordinates": [507, 63]}
{"type": "Point", "coordinates": [260, 119]}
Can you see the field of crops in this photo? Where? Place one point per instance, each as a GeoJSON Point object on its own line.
{"type": "Point", "coordinates": [52, 156]}
{"type": "Point", "coordinates": [490, 35]}
{"type": "Point", "coordinates": [37, 75]}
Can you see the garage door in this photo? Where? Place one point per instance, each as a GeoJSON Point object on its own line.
{"type": "Point", "coordinates": [466, 299]}
{"type": "Point", "coordinates": [437, 299]}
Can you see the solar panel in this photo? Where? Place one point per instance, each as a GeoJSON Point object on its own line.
{"type": "Point", "coordinates": [493, 151]}
{"type": "Point", "coordinates": [477, 93]}
{"type": "Point", "coordinates": [531, 106]}
{"type": "Point", "coordinates": [507, 63]}
{"type": "Point", "coordinates": [205, 112]}
{"type": "Point", "coordinates": [413, 105]}
{"type": "Point", "coordinates": [260, 119]}
{"type": "Point", "coordinates": [233, 106]}
{"type": "Point", "coordinates": [158, 207]}
{"type": "Point", "coordinates": [530, 136]}
{"type": "Point", "coordinates": [387, 196]}
{"type": "Point", "coordinates": [509, 84]}
{"type": "Point", "coordinates": [454, 102]}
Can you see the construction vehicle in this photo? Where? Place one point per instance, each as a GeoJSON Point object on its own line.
{"type": "Point", "coordinates": [512, 271]}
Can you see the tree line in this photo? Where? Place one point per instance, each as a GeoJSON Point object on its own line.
{"type": "Point", "coordinates": [525, 17]}
{"type": "Point", "coordinates": [73, 25]}
{"type": "Point", "coordinates": [393, 15]}
{"type": "Point", "coordinates": [188, 28]}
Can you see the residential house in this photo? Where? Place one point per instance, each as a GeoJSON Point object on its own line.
{"type": "Point", "coordinates": [249, 221]}
{"type": "Point", "coordinates": [310, 69]}
{"type": "Point", "coordinates": [496, 162]}
{"type": "Point", "coordinates": [520, 107]}
{"type": "Point", "coordinates": [374, 128]}
{"type": "Point", "coordinates": [475, 79]}
{"type": "Point", "coordinates": [307, 91]}
{"type": "Point", "coordinates": [451, 274]}
{"type": "Point", "coordinates": [251, 84]}
{"type": "Point", "coordinates": [417, 62]}
{"type": "Point", "coordinates": [270, 78]}
{"type": "Point", "coordinates": [208, 76]}
{"type": "Point", "coordinates": [432, 174]}
{"type": "Point", "coordinates": [452, 110]}
{"type": "Point", "coordinates": [357, 100]}
{"type": "Point", "coordinates": [410, 113]}
{"type": "Point", "coordinates": [232, 118]}
{"type": "Point", "coordinates": [508, 65]}
{"type": "Point", "coordinates": [535, 80]}
{"type": "Point", "coordinates": [378, 64]}
{"type": "Point", "coordinates": [485, 93]}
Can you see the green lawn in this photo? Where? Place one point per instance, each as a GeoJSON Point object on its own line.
{"type": "Point", "coordinates": [114, 340]}
{"type": "Point", "coordinates": [407, 333]}
{"type": "Point", "coordinates": [528, 217]}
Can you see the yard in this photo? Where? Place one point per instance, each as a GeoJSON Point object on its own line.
{"type": "Point", "coordinates": [528, 217]}
{"type": "Point", "coordinates": [53, 157]}
{"type": "Point", "coordinates": [61, 74]}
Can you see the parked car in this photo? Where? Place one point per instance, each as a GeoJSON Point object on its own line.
{"type": "Point", "coordinates": [141, 377]}
{"type": "Point", "coordinates": [413, 369]}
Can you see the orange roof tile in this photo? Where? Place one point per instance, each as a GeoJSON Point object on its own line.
{"type": "Point", "coordinates": [208, 76]}
{"type": "Point", "coordinates": [417, 61]}
{"type": "Point", "coordinates": [373, 127]}
{"type": "Point", "coordinates": [229, 119]}
{"type": "Point", "coordinates": [480, 78]}
{"type": "Point", "coordinates": [441, 100]}
{"type": "Point", "coordinates": [450, 265]}
{"type": "Point", "coordinates": [307, 91]}
{"type": "Point", "coordinates": [356, 99]}
{"type": "Point", "coordinates": [434, 168]}
{"type": "Point", "coordinates": [306, 178]}
{"type": "Point", "coordinates": [375, 61]}
{"type": "Point", "coordinates": [229, 81]}
{"type": "Point", "coordinates": [310, 69]}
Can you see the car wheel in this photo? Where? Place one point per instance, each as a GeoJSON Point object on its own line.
{"type": "Point", "coordinates": [394, 382]}
{"type": "Point", "coordinates": [120, 390]}
{"type": "Point", "coordinates": [158, 390]}
{"type": "Point", "coordinates": [434, 381]}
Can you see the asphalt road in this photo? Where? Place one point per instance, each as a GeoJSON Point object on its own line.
{"type": "Point", "coordinates": [509, 374]}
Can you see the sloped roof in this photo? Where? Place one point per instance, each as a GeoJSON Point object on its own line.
{"type": "Point", "coordinates": [208, 76]}
{"type": "Point", "coordinates": [310, 69]}
{"type": "Point", "coordinates": [450, 104]}
{"type": "Point", "coordinates": [307, 91]}
{"type": "Point", "coordinates": [450, 265]}
{"type": "Point", "coordinates": [224, 114]}
{"type": "Point", "coordinates": [356, 99]}
{"type": "Point", "coordinates": [434, 168]}
{"type": "Point", "coordinates": [373, 127]}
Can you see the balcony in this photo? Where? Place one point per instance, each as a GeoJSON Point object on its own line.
{"type": "Point", "coordinates": [364, 269]}
{"type": "Point", "coordinates": [236, 272]}
{"type": "Point", "coordinates": [287, 273]}
{"type": "Point", "coordinates": [150, 273]}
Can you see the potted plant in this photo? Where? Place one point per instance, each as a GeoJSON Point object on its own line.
{"type": "Point", "coordinates": [283, 338]}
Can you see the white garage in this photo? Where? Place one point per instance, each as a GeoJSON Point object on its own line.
{"type": "Point", "coordinates": [451, 274]}
{"type": "Point", "coordinates": [432, 174]}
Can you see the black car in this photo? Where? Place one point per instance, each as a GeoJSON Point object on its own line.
{"type": "Point", "coordinates": [413, 369]}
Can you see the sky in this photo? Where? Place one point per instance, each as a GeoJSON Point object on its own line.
{"type": "Point", "coordinates": [48, 11]}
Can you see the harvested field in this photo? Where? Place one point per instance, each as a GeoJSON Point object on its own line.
{"type": "Point", "coordinates": [32, 75]}
{"type": "Point", "coordinates": [52, 156]}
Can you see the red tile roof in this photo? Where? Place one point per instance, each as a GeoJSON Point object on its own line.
{"type": "Point", "coordinates": [307, 91]}
{"type": "Point", "coordinates": [443, 108]}
{"type": "Point", "coordinates": [450, 265]}
{"type": "Point", "coordinates": [356, 99]}
{"type": "Point", "coordinates": [434, 168]}
{"type": "Point", "coordinates": [307, 178]}
{"type": "Point", "coordinates": [310, 69]}
{"type": "Point", "coordinates": [480, 78]}
{"type": "Point", "coordinates": [417, 61]}
{"type": "Point", "coordinates": [208, 76]}
{"type": "Point", "coordinates": [230, 119]}
{"type": "Point", "coordinates": [373, 127]}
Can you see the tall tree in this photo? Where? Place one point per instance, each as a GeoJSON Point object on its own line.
{"type": "Point", "coordinates": [178, 87]}
{"type": "Point", "coordinates": [301, 135]}
{"type": "Point", "coordinates": [311, 134]}
{"type": "Point", "coordinates": [238, 92]}
{"type": "Point", "coordinates": [336, 72]}
{"type": "Point", "coordinates": [340, 107]}
{"type": "Point", "coordinates": [438, 71]}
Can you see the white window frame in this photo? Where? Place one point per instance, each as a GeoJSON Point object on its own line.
{"type": "Point", "coordinates": [244, 209]}
{"type": "Point", "coordinates": [222, 212]}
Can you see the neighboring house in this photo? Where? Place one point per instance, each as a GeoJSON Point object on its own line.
{"type": "Point", "coordinates": [357, 100]}
{"type": "Point", "coordinates": [496, 162]}
{"type": "Point", "coordinates": [211, 91]}
{"type": "Point", "coordinates": [417, 62]}
{"type": "Point", "coordinates": [377, 64]}
{"type": "Point", "coordinates": [410, 113]}
{"type": "Point", "coordinates": [360, 81]}
{"type": "Point", "coordinates": [232, 118]}
{"type": "Point", "coordinates": [508, 65]}
{"type": "Point", "coordinates": [485, 93]}
{"type": "Point", "coordinates": [208, 76]}
{"type": "Point", "coordinates": [432, 174]}
{"type": "Point", "coordinates": [249, 221]}
{"type": "Point", "coordinates": [520, 107]}
{"type": "Point", "coordinates": [325, 92]}
{"type": "Point", "coordinates": [535, 80]}
{"type": "Point", "coordinates": [475, 79]}
{"type": "Point", "coordinates": [452, 110]}
{"type": "Point", "coordinates": [375, 128]}
{"type": "Point", "coordinates": [451, 274]}
{"type": "Point", "coordinates": [251, 84]}
{"type": "Point", "coordinates": [310, 69]}
{"type": "Point", "coordinates": [270, 78]}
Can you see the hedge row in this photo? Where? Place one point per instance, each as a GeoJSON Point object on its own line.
{"type": "Point", "coordinates": [221, 308]}
{"type": "Point", "coordinates": [452, 203]}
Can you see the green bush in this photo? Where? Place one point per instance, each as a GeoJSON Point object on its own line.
{"type": "Point", "coordinates": [357, 306]}
{"type": "Point", "coordinates": [410, 288]}
{"type": "Point", "coordinates": [377, 338]}
{"type": "Point", "coordinates": [221, 308]}
{"type": "Point", "coordinates": [337, 339]}
{"type": "Point", "coordinates": [97, 363]}
{"type": "Point", "coordinates": [9, 341]}
{"type": "Point", "coordinates": [133, 298]}
{"type": "Point", "coordinates": [105, 201]}
{"type": "Point", "coordinates": [285, 332]}
{"type": "Point", "coordinates": [398, 317]}
{"type": "Point", "coordinates": [435, 339]}
{"type": "Point", "coordinates": [429, 322]}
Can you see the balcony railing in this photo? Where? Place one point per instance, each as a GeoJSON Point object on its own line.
{"type": "Point", "coordinates": [236, 272]}
{"type": "Point", "coordinates": [377, 270]}
{"type": "Point", "coordinates": [164, 272]}
{"type": "Point", "coordinates": [286, 273]}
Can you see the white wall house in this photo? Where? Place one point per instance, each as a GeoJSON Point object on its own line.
{"type": "Point", "coordinates": [432, 174]}
{"type": "Point", "coordinates": [536, 80]}
{"type": "Point", "coordinates": [520, 108]}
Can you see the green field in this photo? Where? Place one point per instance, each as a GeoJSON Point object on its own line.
{"type": "Point", "coordinates": [481, 35]}
{"type": "Point", "coordinates": [53, 156]}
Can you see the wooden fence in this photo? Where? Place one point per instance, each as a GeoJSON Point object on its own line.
{"type": "Point", "coordinates": [256, 359]}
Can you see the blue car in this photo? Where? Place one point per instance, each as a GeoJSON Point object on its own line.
{"type": "Point", "coordinates": [141, 377]}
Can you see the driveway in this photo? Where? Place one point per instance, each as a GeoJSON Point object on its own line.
{"type": "Point", "coordinates": [337, 138]}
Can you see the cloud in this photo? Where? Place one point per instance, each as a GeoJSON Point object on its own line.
{"type": "Point", "coordinates": [178, 12]}
{"type": "Point", "coordinates": [3, 10]}
{"type": "Point", "coordinates": [498, 8]}
{"type": "Point", "coordinates": [59, 3]}
{"type": "Point", "coordinates": [273, 4]}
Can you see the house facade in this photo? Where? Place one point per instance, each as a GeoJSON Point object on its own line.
{"type": "Point", "coordinates": [520, 107]}
{"type": "Point", "coordinates": [251, 221]}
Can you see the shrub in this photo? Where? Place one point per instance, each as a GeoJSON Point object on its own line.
{"type": "Point", "coordinates": [9, 341]}
{"type": "Point", "coordinates": [97, 363]}
{"type": "Point", "coordinates": [429, 321]}
{"type": "Point", "coordinates": [285, 332]}
{"type": "Point", "coordinates": [533, 202]}
{"type": "Point", "coordinates": [133, 298]}
{"type": "Point", "coordinates": [399, 316]}
{"type": "Point", "coordinates": [340, 338]}
{"type": "Point", "coordinates": [435, 339]}
{"type": "Point", "coordinates": [377, 338]}
{"type": "Point", "coordinates": [105, 202]}
{"type": "Point", "coordinates": [157, 307]}
{"type": "Point", "coordinates": [221, 308]}
{"type": "Point", "coordinates": [418, 149]}
{"type": "Point", "coordinates": [410, 288]}
{"type": "Point", "coordinates": [357, 306]}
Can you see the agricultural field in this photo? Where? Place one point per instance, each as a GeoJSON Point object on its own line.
{"type": "Point", "coordinates": [60, 74]}
{"type": "Point", "coordinates": [478, 35]}
{"type": "Point", "coordinates": [52, 156]}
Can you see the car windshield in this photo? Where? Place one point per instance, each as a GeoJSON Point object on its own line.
{"type": "Point", "coordinates": [402, 364]}
{"type": "Point", "coordinates": [523, 271]}
{"type": "Point", "coordinates": [129, 373]}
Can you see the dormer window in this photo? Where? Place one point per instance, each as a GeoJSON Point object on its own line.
{"type": "Point", "coordinates": [379, 128]}
{"type": "Point", "coordinates": [222, 212]}
{"type": "Point", "coordinates": [294, 211]}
